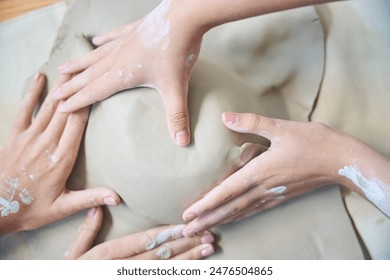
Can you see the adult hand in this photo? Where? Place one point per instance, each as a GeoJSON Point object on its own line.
{"type": "Point", "coordinates": [301, 158]}
{"type": "Point", "coordinates": [166, 242]}
{"type": "Point", "coordinates": [158, 51]}
{"type": "Point", "coordinates": [36, 162]}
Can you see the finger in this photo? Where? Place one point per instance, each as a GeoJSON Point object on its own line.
{"type": "Point", "coordinates": [48, 108]}
{"type": "Point", "coordinates": [258, 196]}
{"type": "Point", "coordinates": [135, 244]}
{"type": "Point", "coordinates": [73, 133]}
{"type": "Point", "coordinates": [86, 234]}
{"type": "Point", "coordinates": [215, 216]}
{"type": "Point", "coordinates": [235, 185]}
{"type": "Point", "coordinates": [111, 35]}
{"type": "Point", "coordinates": [72, 202]}
{"type": "Point", "coordinates": [176, 247]}
{"type": "Point", "coordinates": [252, 123]}
{"type": "Point", "coordinates": [175, 103]}
{"type": "Point", "coordinates": [26, 109]}
{"type": "Point", "coordinates": [96, 71]}
{"type": "Point", "coordinates": [55, 128]}
{"type": "Point", "coordinates": [86, 61]}
{"type": "Point", "coordinates": [99, 89]}
{"type": "Point", "coordinates": [255, 208]}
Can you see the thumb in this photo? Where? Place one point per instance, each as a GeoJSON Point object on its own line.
{"type": "Point", "coordinates": [251, 123]}
{"type": "Point", "coordinates": [175, 103]}
{"type": "Point", "coordinates": [72, 202]}
{"type": "Point", "coordinates": [86, 234]}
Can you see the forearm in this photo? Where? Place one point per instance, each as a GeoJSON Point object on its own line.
{"type": "Point", "coordinates": [367, 172]}
{"type": "Point", "coordinates": [208, 14]}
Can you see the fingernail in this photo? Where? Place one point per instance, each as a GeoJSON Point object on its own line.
{"type": "Point", "coordinates": [64, 68]}
{"type": "Point", "coordinates": [96, 40]}
{"type": "Point", "coordinates": [207, 238]}
{"type": "Point", "coordinates": [91, 212]}
{"type": "Point", "coordinates": [189, 233]}
{"type": "Point", "coordinates": [189, 217]}
{"type": "Point", "coordinates": [207, 250]}
{"type": "Point", "coordinates": [230, 118]}
{"type": "Point", "coordinates": [110, 201]}
{"type": "Point", "coordinates": [37, 76]}
{"type": "Point", "coordinates": [182, 138]}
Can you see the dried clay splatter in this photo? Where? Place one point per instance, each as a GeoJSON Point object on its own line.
{"type": "Point", "coordinates": [164, 253]}
{"type": "Point", "coordinates": [170, 233]}
{"type": "Point", "coordinates": [277, 190]}
{"type": "Point", "coordinates": [154, 28]}
{"type": "Point", "coordinates": [10, 205]}
{"type": "Point", "coordinates": [374, 189]}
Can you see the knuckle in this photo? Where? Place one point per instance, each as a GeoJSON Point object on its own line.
{"type": "Point", "coordinates": [164, 252]}
{"type": "Point", "coordinates": [79, 119]}
{"type": "Point", "coordinates": [203, 223]}
{"type": "Point", "coordinates": [91, 202]}
{"type": "Point", "coordinates": [88, 228]}
{"type": "Point", "coordinates": [67, 160]}
{"type": "Point", "coordinates": [254, 122]}
{"type": "Point", "coordinates": [48, 105]}
{"type": "Point", "coordinates": [194, 241]}
{"type": "Point", "coordinates": [178, 118]}
{"type": "Point", "coordinates": [89, 95]}
{"type": "Point", "coordinates": [227, 195]}
{"type": "Point", "coordinates": [232, 210]}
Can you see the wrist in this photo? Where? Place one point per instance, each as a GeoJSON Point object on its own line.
{"type": "Point", "coordinates": [196, 16]}
{"type": "Point", "coordinates": [186, 14]}
{"type": "Point", "coordinates": [359, 160]}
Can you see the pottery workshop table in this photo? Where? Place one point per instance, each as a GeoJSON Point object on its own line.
{"type": "Point", "coordinates": [13, 8]}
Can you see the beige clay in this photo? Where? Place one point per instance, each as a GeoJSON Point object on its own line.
{"type": "Point", "coordinates": [127, 146]}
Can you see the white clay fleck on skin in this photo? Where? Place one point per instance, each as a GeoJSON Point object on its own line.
{"type": "Point", "coordinates": [26, 197]}
{"type": "Point", "coordinates": [139, 66]}
{"type": "Point", "coordinates": [9, 207]}
{"type": "Point", "coordinates": [13, 183]}
{"type": "Point", "coordinates": [170, 233]}
{"type": "Point", "coordinates": [164, 253]}
{"type": "Point", "coordinates": [27, 176]}
{"type": "Point", "coordinates": [190, 59]}
{"type": "Point", "coordinates": [280, 197]}
{"type": "Point", "coordinates": [120, 73]}
{"type": "Point", "coordinates": [154, 28]}
{"type": "Point", "coordinates": [277, 190]}
{"type": "Point", "coordinates": [53, 158]}
{"type": "Point", "coordinates": [374, 189]}
{"type": "Point", "coordinates": [128, 78]}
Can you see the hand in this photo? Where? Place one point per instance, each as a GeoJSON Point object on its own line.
{"type": "Point", "coordinates": [164, 242]}
{"type": "Point", "coordinates": [36, 162]}
{"type": "Point", "coordinates": [301, 158]}
{"type": "Point", "coordinates": [157, 51]}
